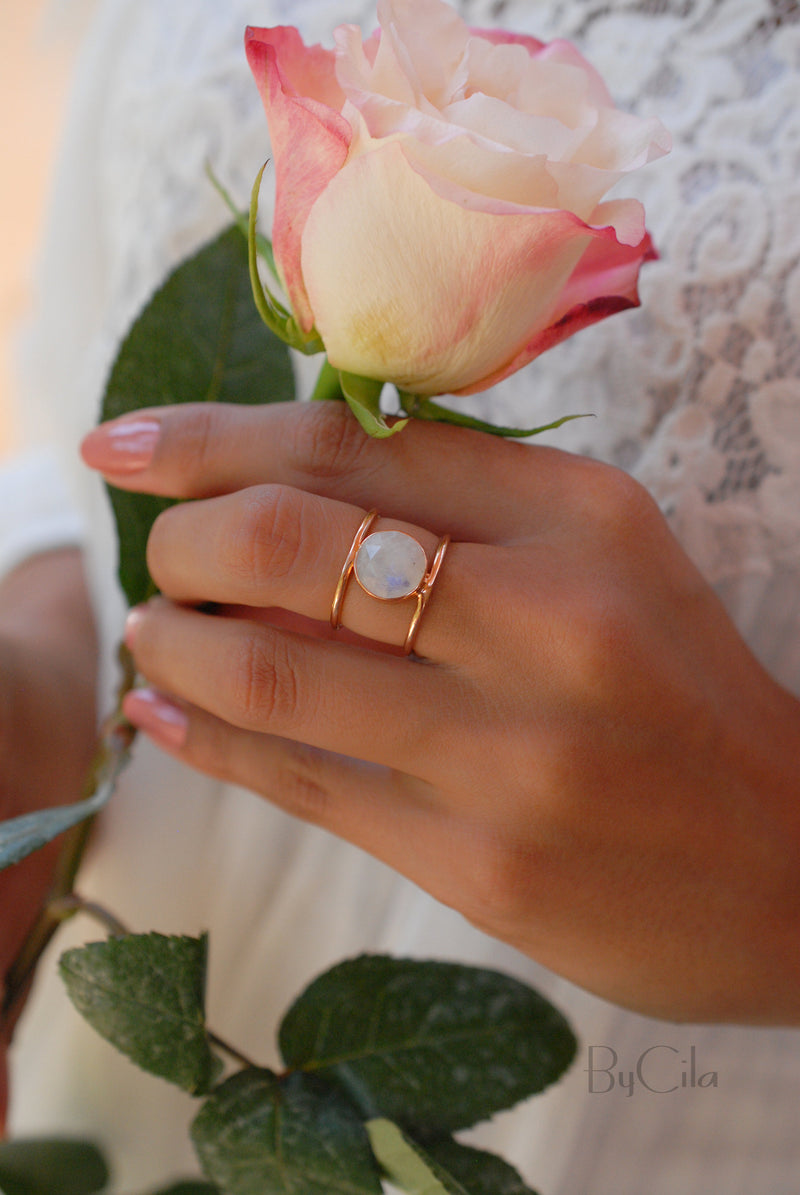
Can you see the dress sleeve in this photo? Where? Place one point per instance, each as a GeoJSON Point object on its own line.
{"type": "Point", "coordinates": [36, 511]}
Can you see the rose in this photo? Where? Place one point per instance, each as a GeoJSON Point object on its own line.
{"type": "Point", "coordinates": [438, 212]}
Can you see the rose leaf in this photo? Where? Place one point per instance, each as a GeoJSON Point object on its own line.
{"type": "Point", "coordinates": [479, 1172]}
{"type": "Point", "coordinates": [199, 339]}
{"type": "Point", "coordinates": [51, 1166]}
{"type": "Point", "coordinates": [260, 1134]}
{"type": "Point", "coordinates": [145, 993]}
{"type": "Point", "coordinates": [433, 1046]}
{"type": "Point", "coordinates": [21, 836]}
{"type": "Point", "coordinates": [189, 1187]}
{"type": "Point", "coordinates": [442, 1167]}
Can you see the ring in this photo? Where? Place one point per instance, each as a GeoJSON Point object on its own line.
{"type": "Point", "coordinates": [390, 566]}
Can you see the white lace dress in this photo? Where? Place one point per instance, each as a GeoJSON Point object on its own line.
{"type": "Point", "coordinates": [697, 393]}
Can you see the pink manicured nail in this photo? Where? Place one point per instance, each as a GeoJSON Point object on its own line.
{"type": "Point", "coordinates": [124, 446]}
{"type": "Point", "coordinates": [132, 622]}
{"type": "Point", "coordinates": [157, 716]}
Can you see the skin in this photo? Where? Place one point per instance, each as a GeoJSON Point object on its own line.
{"type": "Point", "coordinates": [587, 761]}
{"type": "Point", "coordinates": [47, 724]}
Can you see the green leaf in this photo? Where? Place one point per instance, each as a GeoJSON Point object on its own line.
{"type": "Point", "coordinates": [434, 1046]}
{"type": "Point", "coordinates": [51, 1166]}
{"type": "Point", "coordinates": [189, 1187]}
{"type": "Point", "coordinates": [425, 408]}
{"type": "Point", "coordinates": [199, 339]}
{"type": "Point", "coordinates": [406, 1164]}
{"type": "Point", "coordinates": [479, 1172]}
{"type": "Point", "coordinates": [21, 836]}
{"type": "Point", "coordinates": [363, 398]}
{"type": "Point", "coordinates": [259, 1134]}
{"type": "Point", "coordinates": [145, 993]}
{"type": "Point", "coordinates": [443, 1167]}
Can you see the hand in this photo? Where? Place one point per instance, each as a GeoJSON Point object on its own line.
{"type": "Point", "coordinates": [588, 762]}
{"type": "Point", "coordinates": [47, 725]}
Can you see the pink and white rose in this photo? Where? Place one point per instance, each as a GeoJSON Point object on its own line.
{"type": "Point", "coordinates": [439, 212]}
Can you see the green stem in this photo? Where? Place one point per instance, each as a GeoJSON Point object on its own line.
{"type": "Point", "coordinates": [67, 906]}
{"type": "Point", "coordinates": [111, 756]}
{"type": "Point", "coordinates": [328, 385]}
{"type": "Point", "coordinates": [215, 1040]}
{"type": "Point", "coordinates": [61, 908]}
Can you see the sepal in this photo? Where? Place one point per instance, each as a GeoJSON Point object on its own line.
{"type": "Point", "coordinates": [363, 396]}
{"type": "Point", "coordinates": [277, 318]}
{"type": "Point", "coordinates": [425, 408]}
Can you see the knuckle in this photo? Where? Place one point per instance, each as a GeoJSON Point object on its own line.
{"type": "Point", "coordinates": [266, 540]}
{"type": "Point", "coordinates": [596, 646]}
{"type": "Point", "coordinates": [265, 690]}
{"type": "Point", "coordinates": [502, 878]}
{"type": "Point", "coordinates": [193, 436]}
{"type": "Point", "coordinates": [620, 505]}
{"type": "Point", "coordinates": [326, 442]}
{"type": "Point", "coordinates": [297, 778]}
{"type": "Point", "coordinates": [303, 785]}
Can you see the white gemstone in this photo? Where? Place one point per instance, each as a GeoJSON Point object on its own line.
{"type": "Point", "coordinates": [390, 564]}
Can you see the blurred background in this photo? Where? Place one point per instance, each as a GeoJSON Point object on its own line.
{"type": "Point", "coordinates": [35, 54]}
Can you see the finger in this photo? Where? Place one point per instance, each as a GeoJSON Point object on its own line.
{"type": "Point", "coordinates": [426, 474]}
{"type": "Point", "coordinates": [364, 704]}
{"type": "Point", "coordinates": [275, 546]}
{"type": "Point", "coordinates": [396, 818]}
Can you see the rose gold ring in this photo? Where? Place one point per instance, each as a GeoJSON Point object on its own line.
{"type": "Point", "coordinates": [390, 566]}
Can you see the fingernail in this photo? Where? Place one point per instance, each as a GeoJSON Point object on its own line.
{"type": "Point", "coordinates": [157, 716]}
{"type": "Point", "coordinates": [124, 446]}
{"type": "Point", "coordinates": [132, 623]}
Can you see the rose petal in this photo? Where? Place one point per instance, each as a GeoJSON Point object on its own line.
{"type": "Point", "coordinates": [442, 298]}
{"type": "Point", "coordinates": [604, 282]}
{"type": "Point", "coordinates": [310, 139]}
{"type": "Point", "coordinates": [427, 41]}
{"type": "Point", "coordinates": [579, 188]}
{"type": "Point", "coordinates": [625, 217]}
{"type": "Point", "coordinates": [496, 120]}
{"type": "Point", "coordinates": [503, 37]}
{"type": "Point", "coordinates": [477, 175]}
{"type": "Point", "coordinates": [463, 167]}
{"type": "Point", "coordinates": [306, 71]}
{"type": "Point", "coordinates": [566, 54]}
{"type": "Point", "coordinates": [621, 142]}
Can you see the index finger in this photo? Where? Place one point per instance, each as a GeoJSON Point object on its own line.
{"type": "Point", "coordinates": [468, 484]}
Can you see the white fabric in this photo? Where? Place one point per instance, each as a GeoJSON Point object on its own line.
{"type": "Point", "coordinates": [696, 393]}
{"type": "Point", "coordinates": [37, 513]}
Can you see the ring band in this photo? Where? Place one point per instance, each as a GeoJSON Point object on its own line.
{"type": "Point", "coordinates": [423, 593]}
{"type": "Point", "coordinates": [347, 569]}
{"type": "Point", "coordinates": [390, 566]}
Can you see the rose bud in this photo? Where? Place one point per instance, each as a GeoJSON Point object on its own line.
{"type": "Point", "coordinates": [439, 209]}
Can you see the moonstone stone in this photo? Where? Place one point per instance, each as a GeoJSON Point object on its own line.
{"type": "Point", "coordinates": [390, 564]}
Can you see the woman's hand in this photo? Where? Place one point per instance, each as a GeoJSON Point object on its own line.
{"type": "Point", "coordinates": [48, 662]}
{"type": "Point", "coordinates": [587, 761]}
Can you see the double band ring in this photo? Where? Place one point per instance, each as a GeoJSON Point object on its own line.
{"type": "Point", "coordinates": [391, 566]}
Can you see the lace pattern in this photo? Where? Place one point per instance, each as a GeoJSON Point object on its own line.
{"type": "Point", "coordinates": [698, 392]}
